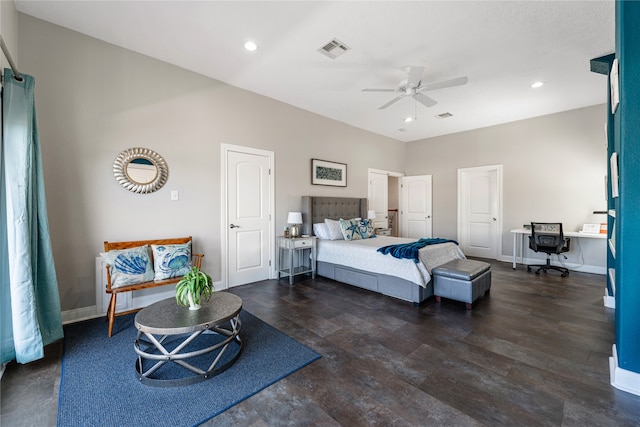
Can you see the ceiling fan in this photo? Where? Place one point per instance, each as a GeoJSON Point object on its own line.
{"type": "Point", "coordinates": [414, 87]}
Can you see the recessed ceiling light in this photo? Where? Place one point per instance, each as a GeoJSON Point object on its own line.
{"type": "Point", "coordinates": [536, 85]}
{"type": "Point", "coordinates": [408, 119]}
{"type": "Point", "coordinates": [251, 46]}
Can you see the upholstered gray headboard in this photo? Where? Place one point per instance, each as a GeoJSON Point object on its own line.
{"type": "Point", "coordinates": [316, 209]}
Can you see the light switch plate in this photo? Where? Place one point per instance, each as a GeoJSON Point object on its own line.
{"type": "Point", "coordinates": [174, 194]}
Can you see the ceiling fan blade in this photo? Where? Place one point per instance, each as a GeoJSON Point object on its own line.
{"type": "Point", "coordinates": [380, 90]}
{"type": "Point", "coordinates": [447, 83]}
{"type": "Point", "coordinates": [393, 101]}
{"type": "Point", "coordinates": [425, 100]}
{"type": "Point", "coordinates": [415, 74]}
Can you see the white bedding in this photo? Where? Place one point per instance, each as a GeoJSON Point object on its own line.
{"type": "Point", "coordinates": [363, 255]}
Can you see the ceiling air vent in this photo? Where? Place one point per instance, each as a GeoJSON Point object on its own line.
{"type": "Point", "coordinates": [334, 48]}
{"type": "Point", "coordinates": [444, 115]}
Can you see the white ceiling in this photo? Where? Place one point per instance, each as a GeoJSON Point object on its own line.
{"type": "Point", "coordinates": [503, 47]}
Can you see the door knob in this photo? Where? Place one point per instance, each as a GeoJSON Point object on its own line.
{"type": "Point", "coordinates": [494, 219]}
{"type": "Point", "coordinates": [234, 226]}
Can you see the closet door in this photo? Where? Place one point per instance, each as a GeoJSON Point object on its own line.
{"type": "Point", "coordinates": [247, 212]}
{"type": "Point", "coordinates": [479, 207]}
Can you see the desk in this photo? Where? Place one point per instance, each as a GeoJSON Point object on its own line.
{"type": "Point", "coordinates": [519, 233]}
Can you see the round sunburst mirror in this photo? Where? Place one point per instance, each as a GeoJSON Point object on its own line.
{"type": "Point", "coordinates": [140, 170]}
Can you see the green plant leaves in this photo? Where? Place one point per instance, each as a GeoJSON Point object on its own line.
{"type": "Point", "coordinates": [196, 282]}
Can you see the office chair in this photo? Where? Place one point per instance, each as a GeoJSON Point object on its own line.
{"type": "Point", "coordinates": [547, 237]}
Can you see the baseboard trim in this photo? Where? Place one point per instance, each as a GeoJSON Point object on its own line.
{"type": "Point", "coordinates": [609, 301]}
{"type": "Point", "coordinates": [621, 378]}
{"type": "Point", "coordinates": [92, 312]}
{"type": "Point", "coordinates": [80, 314]}
{"type": "Point", "coordinates": [573, 267]}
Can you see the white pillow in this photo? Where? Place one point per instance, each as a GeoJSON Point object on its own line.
{"type": "Point", "coordinates": [320, 231]}
{"type": "Point", "coordinates": [334, 230]}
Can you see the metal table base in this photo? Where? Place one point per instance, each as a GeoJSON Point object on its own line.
{"type": "Point", "coordinates": [169, 335]}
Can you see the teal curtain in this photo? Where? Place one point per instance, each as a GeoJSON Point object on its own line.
{"type": "Point", "coordinates": [30, 316]}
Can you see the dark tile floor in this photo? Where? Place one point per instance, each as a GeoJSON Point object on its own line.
{"type": "Point", "coordinates": [532, 353]}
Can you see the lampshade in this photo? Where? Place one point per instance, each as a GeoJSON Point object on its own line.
{"type": "Point", "coordinates": [294, 218]}
{"type": "Point", "coordinates": [371, 214]}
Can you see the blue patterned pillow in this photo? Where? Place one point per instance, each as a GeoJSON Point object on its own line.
{"type": "Point", "coordinates": [171, 260]}
{"type": "Point", "coordinates": [365, 227]}
{"type": "Point", "coordinates": [350, 229]}
{"type": "Point", "coordinates": [129, 266]}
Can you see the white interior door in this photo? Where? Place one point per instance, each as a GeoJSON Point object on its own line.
{"type": "Point", "coordinates": [479, 211]}
{"type": "Point", "coordinates": [247, 227]}
{"type": "Point", "coordinates": [416, 207]}
{"type": "Point", "coordinates": [379, 198]}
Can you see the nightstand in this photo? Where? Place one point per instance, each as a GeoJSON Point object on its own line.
{"type": "Point", "coordinates": [296, 256]}
{"type": "Point", "coordinates": [383, 231]}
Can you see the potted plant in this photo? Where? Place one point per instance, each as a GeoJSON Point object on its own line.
{"type": "Point", "coordinates": [193, 286]}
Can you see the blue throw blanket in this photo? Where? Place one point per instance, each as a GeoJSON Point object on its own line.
{"type": "Point", "coordinates": [411, 250]}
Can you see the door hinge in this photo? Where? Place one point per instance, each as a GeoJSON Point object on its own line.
{"type": "Point", "coordinates": [269, 171]}
{"type": "Point", "coordinates": [269, 263]}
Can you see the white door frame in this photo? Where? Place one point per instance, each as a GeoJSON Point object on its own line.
{"type": "Point", "coordinates": [499, 175]}
{"type": "Point", "coordinates": [224, 220]}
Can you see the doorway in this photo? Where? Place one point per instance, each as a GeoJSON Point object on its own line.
{"type": "Point", "coordinates": [247, 204]}
{"type": "Point", "coordinates": [402, 203]}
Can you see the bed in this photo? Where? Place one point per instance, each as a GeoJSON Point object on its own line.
{"type": "Point", "coordinates": [359, 264]}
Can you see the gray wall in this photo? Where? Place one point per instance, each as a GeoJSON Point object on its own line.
{"type": "Point", "coordinates": [553, 166]}
{"type": "Point", "coordinates": [9, 31]}
{"type": "Point", "coordinates": [95, 99]}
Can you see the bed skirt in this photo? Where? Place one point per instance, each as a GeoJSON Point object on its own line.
{"type": "Point", "coordinates": [381, 283]}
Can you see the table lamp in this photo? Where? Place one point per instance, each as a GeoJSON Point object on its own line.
{"type": "Point", "coordinates": [294, 218]}
{"type": "Point", "coordinates": [371, 215]}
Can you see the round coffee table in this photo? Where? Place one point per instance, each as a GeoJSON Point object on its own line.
{"type": "Point", "coordinates": [171, 334]}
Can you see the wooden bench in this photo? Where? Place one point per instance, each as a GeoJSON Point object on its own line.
{"type": "Point", "coordinates": [196, 261]}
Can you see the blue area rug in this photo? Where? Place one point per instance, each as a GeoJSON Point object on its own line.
{"type": "Point", "coordinates": [99, 385]}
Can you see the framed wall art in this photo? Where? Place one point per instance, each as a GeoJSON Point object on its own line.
{"type": "Point", "coordinates": [324, 172]}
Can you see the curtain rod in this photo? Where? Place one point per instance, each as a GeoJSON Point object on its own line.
{"type": "Point", "coordinates": [5, 50]}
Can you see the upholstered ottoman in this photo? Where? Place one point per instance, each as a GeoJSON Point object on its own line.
{"type": "Point", "coordinates": [462, 280]}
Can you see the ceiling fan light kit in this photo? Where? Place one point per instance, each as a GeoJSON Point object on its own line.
{"type": "Point", "coordinates": [413, 87]}
{"type": "Point", "coordinates": [251, 46]}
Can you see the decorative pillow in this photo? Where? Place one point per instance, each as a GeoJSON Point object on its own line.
{"type": "Point", "coordinates": [365, 227]}
{"type": "Point", "coordinates": [320, 231]}
{"type": "Point", "coordinates": [171, 260]}
{"type": "Point", "coordinates": [333, 229]}
{"type": "Point", "coordinates": [129, 266]}
{"type": "Point", "coordinates": [350, 229]}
